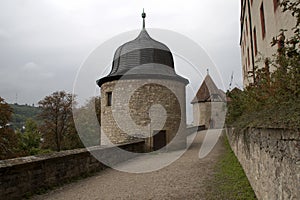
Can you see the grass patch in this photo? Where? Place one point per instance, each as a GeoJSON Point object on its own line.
{"type": "Point", "coordinates": [230, 181]}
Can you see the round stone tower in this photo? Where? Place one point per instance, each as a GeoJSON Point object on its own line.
{"type": "Point", "coordinates": [142, 97]}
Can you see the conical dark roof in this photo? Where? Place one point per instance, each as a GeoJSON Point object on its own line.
{"type": "Point", "coordinates": [208, 92]}
{"type": "Point", "coordinates": [142, 57]}
{"type": "Point", "coordinates": [142, 50]}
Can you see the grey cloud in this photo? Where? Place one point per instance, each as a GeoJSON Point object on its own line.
{"type": "Point", "coordinates": [43, 43]}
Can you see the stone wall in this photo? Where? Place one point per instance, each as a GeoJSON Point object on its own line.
{"type": "Point", "coordinates": [270, 159]}
{"type": "Point", "coordinates": [209, 114]}
{"type": "Point", "coordinates": [28, 175]}
{"type": "Point", "coordinates": [141, 107]}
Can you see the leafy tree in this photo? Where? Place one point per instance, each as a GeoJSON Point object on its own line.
{"type": "Point", "coordinates": [58, 128]}
{"type": "Point", "coordinates": [5, 113]}
{"type": "Point", "coordinates": [287, 61]}
{"type": "Point", "coordinates": [8, 138]}
{"type": "Point", "coordinates": [21, 113]}
{"type": "Point", "coordinates": [88, 121]}
{"type": "Point", "coordinates": [30, 139]}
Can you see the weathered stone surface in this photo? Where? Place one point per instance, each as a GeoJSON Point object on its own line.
{"type": "Point", "coordinates": [26, 175]}
{"type": "Point", "coordinates": [209, 114]}
{"type": "Point", "coordinates": [270, 159]}
{"type": "Point", "coordinates": [142, 106]}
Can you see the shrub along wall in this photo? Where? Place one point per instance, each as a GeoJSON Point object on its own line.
{"type": "Point", "coordinates": [270, 159]}
{"type": "Point", "coordinates": [27, 175]}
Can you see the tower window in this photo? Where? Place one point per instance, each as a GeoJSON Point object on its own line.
{"type": "Point", "coordinates": [109, 98]}
{"type": "Point", "coordinates": [262, 20]}
{"type": "Point", "coordinates": [255, 42]}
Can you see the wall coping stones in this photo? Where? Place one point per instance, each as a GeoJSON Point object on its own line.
{"type": "Point", "coordinates": [24, 176]}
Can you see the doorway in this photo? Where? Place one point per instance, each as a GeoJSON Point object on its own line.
{"type": "Point", "coordinates": [159, 139]}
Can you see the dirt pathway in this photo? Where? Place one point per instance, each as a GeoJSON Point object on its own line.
{"type": "Point", "coordinates": [185, 178]}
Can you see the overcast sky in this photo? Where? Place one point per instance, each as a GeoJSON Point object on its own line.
{"type": "Point", "coordinates": [44, 42]}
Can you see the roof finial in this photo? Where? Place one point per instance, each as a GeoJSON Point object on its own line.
{"type": "Point", "coordinates": [207, 71]}
{"type": "Point", "coordinates": [143, 16]}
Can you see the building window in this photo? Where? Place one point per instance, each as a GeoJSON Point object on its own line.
{"type": "Point", "coordinates": [255, 41]}
{"type": "Point", "coordinates": [108, 98]}
{"type": "Point", "coordinates": [246, 22]}
{"type": "Point", "coordinates": [248, 56]}
{"type": "Point", "coordinates": [276, 4]}
{"type": "Point", "coordinates": [262, 20]}
{"type": "Point", "coordinates": [243, 48]}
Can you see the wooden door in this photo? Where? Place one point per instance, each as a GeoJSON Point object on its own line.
{"type": "Point", "coordinates": [159, 139]}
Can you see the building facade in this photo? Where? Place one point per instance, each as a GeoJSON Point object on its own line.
{"type": "Point", "coordinates": [261, 20]}
{"type": "Point", "coordinates": [143, 97]}
{"type": "Point", "coordinates": [209, 105]}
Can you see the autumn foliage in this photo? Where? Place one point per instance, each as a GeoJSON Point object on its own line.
{"type": "Point", "coordinates": [8, 138]}
{"type": "Point", "coordinates": [58, 129]}
{"type": "Point", "coordinates": [273, 100]}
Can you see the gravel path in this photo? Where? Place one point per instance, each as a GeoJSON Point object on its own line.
{"type": "Point", "coordinates": [185, 178]}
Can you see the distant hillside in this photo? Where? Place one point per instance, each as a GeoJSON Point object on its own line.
{"type": "Point", "coordinates": [22, 112]}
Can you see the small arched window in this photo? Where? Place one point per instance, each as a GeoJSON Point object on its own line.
{"type": "Point", "coordinates": [109, 98]}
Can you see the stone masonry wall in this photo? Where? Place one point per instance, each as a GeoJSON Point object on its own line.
{"type": "Point", "coordinates": [204, 112]}
{"type": "Point", "coordinates": [27, 175]}
{"type": "Point", "coordinates": [270, 159]}
{"type": "Point", "coordinates": [140, 107]}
